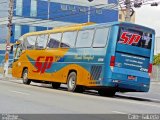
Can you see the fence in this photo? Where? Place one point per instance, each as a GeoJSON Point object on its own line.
{"type": "Point", "coordinates": [156, 73]}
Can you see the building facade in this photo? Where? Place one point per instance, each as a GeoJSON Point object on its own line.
{"type": "Point", "coordinates": [37, 15]}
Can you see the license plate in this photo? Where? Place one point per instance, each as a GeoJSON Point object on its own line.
{"type": "Point", "coordinates": [130, 77]}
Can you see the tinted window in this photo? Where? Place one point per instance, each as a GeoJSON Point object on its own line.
{"type": "Point", "coordinates": [54, 40]}
{"type": "Point", "coordinates": [68, 39]}
{"type": "Point", "coordinates": [41, 41]}
{"type": "Point", "coordinates": [135, 38]}
{"type": "Point", "coordinates": [29, 42]}
{"type": "Point", "coordinates": [85, 38]}
{"type": "Point", "coordinates": [101, 37]}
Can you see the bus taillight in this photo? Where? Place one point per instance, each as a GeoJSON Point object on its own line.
{"type": "Point", "coordinates": [112, 61]}
{"type": "Point", "coordinates": [150, 69]}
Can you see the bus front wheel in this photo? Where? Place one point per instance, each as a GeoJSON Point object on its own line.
{"type": "Point", "coordinates": [25, 77]}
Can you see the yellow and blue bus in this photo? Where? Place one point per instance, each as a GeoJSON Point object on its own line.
{"type": "Point", "coordinates": [107, 57]}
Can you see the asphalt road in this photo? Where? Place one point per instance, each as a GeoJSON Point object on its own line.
{"type": "Point", "coordinates": [17, 98]}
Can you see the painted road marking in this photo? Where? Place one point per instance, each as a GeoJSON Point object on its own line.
{"type": "Point", "coordinates": [18, 92]}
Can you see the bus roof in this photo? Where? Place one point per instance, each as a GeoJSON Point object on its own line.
{"type": "Point", "coordinates": [87, 26]}
{"type": "Point", "coordinates": [127, 24]}
{"type": "Point", "coordinates": [60, 29]}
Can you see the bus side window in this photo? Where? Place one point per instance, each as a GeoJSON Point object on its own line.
{"type": "Point", "coordinates": [41, 41]}
{"type": "Point", "coordinates": [101, 37]}
{"type": "Point", "coordinates": [68, 39]}
{"type": "Point", "coordinates": [54, 40]}
{"type": "Point", "coordinates": [29, 42]}
{"type": "Point", "coordinates": [85, 38]}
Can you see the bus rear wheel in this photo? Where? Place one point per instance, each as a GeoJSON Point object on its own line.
{"type": "Point", "coordinates": [107, 93]}
{"type": "Point", "coordinates": [56, 85]}
{"type": "Point", "coordinates": [25, 77]}
{"type": "Point", "coordinates": [72, 83]}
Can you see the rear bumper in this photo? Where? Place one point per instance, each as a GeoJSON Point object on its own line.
{"type": "Point", "coordinates": [122, 83]}
{"type": "Point", "coordinates": [127, 87]}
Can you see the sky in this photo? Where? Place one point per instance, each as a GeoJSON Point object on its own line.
{"type": "Point", "coordinates": [149, 16]}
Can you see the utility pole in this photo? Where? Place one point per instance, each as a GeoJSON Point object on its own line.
{"type": "Point", "coordinates": [10, 16]}
{"type": "Point", "coordinates": [89, 13]}
{"type": "Point", "coordinates": [49, 4]}
{"type": "Point", "coordinates": [128, 7]}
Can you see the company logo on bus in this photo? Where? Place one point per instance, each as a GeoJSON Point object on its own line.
{"type": "Point", "coordinates": [129, 38]}
{"type": "Point", "coordinates": [43, 63]}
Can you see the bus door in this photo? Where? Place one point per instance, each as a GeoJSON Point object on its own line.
{"type": "Point", "coordinates": [16, 64]}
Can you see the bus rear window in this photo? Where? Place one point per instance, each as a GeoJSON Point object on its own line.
{"type": "Point", "coordinates": [135, 38]}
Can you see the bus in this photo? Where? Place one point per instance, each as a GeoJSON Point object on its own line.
{"type": "Point", "coordinates": [107, 57]}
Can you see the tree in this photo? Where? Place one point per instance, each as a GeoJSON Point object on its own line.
{"type": "Point", "coordinates": [156, 60]}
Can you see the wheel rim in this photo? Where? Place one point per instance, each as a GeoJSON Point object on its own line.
{"type": "Point", "coordinates": [72, 82]}
{"type": "Point", "coordinates": [25, 76]}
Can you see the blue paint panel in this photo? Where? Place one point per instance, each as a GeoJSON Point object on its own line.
{"type": "Point", "coordinates": [106, 16]}
{"type": "Point", "coordinates": [2, 51]}
{"type": "Point", "coordinates": [24, 29]}
{"type": "Point", "coordinates": [26, 8]}
{"type": "Point", "coordinates": [67, 15]}
{"type": "Point", "coordinates": [41, 28]}
{"type": "Point", "coordinates": [131, 49]}
{"type": "Point", "coordinates": [113, 1]}
{"type": "Point", "coordinates": [42, 9]}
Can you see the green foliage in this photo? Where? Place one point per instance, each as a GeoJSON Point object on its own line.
{"type": "Point", "coordinates": [156, 60]}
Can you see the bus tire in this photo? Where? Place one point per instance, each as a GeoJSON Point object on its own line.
{"type": "Point", "coordinates": [56, 85]}
{"type": "Point", "coordinates": [106, 93]}
{"type": "Point", "coordinates": [25, 77]}
{"type": "Point", "coordinates": [71, 81]}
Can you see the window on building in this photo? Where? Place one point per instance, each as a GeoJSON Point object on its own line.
{"type": "Point", "coordinates": [99, 11]}
{"type": "Point", "coordinates": [17, 33]}
{"type": "Point", "coordinates": [41, 41]}
{"type": "Point", "coordinates": [83, 9]}
{"type": "Point", "coordinates": [64, 7]}
{"type": "Point", "coordinates": [72, 8]}
{"type": "Point", "coordinates": [85, 38]}
{"type": "Point", "coordinates": [54, 40]}
{"type": "Point", "coordinates": [19, 5]}
{"type": "Point", "coordinates": [68, 39]}
{"type": "Point", "coordinates": [101, 37]}
{"type": "Point", "coordinates": [33, 12]}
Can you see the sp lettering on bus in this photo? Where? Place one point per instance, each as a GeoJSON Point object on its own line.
{"type": "Point", "coordinates": [43, 63]}
{"type": "Point", "coordinates": [130, 38]}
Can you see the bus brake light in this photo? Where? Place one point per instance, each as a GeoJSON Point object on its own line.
{"type": "Point", "coordinates": [112, 61]}
{"type": "Point", "coordinates": [150, 68]}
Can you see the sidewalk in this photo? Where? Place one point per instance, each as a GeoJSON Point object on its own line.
{"type": "Point", "coordinates": [7, 78]}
